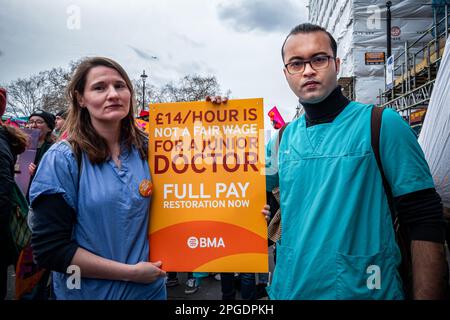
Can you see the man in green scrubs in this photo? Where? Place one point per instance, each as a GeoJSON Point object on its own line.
{"type": "Point", "coordinates": [337, 238]}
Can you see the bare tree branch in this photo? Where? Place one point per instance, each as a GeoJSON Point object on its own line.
{"type": "Point", "coordinates": [46, 91]}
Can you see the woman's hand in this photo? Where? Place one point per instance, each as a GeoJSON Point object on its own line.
{"type": "Point", "coordinates": [31, 168]}
{"type": "Point", "coordinates": [217, 99]}
{"type": "Point", "coordinates": [266, 212]}
{"type": "Point", "coordinates": [147, 272]}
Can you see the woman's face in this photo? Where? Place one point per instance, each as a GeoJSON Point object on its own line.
{"type": "Point", "coordinates": [59, 122]}
{"type": "Point", "coordinates": [106, 96]}
{"type": "Point", "coordinates": [36, 122]}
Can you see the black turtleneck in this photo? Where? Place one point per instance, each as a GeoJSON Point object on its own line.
{"type": "Point", "coordinates": [326, 110]}
{"type": "Point", "coordinates": [420, 211]}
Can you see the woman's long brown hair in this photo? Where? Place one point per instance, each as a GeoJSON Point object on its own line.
{"type": "Point", "coordinates": [80, 131]}
{"type": "Point", "coordinates": [17, 139]}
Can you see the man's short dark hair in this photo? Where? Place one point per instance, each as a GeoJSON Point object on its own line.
{"type": "Point", "coordinates": [309, 28]}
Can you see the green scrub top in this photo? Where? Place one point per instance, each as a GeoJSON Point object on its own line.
{"type": "Point", "coordinates": [337, 238]}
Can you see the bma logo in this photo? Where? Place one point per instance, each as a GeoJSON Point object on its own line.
{"type": "Point", "coordinates": [192, 242]}
{"type": "Point", "coordinates": [205, 242]}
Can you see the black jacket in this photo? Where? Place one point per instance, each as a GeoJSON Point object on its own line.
{"type": "Point", "coordinates": [7, 161]}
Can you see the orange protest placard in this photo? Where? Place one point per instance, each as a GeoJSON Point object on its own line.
{"type": "Point", "coordinates": [142, 124]}
{"type": "Point", "coordinates": [207, 165]}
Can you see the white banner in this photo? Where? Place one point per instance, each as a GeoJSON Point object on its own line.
{"type": "Point", "coordinates": [435, 135]}
{"type": "Point", "coordinates": [390, 72]}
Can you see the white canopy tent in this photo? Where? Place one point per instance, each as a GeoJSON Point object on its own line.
{"type": "Point", "coordinates": [435, 135]}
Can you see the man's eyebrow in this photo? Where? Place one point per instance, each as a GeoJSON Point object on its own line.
{"type": "Point", "coordinates": [314, 55]}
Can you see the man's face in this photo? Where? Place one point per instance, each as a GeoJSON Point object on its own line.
{"type": "Point", "coordinates": [311, 86]}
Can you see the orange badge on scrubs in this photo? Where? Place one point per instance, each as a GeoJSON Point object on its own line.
{"type": "Point", "coordinates": [145, 188]}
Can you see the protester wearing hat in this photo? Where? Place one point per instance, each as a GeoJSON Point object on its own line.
{"type": "Point", "coordinates": [45, 122]}
{"type": "Point", "coordinates": [59, 122]}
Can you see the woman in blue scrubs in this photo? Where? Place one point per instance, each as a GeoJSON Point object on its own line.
{"type": "Point", "coordinates": [90, 218]}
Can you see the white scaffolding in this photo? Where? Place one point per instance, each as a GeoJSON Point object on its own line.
{"type": "Point", "coordinates": [359, 27]}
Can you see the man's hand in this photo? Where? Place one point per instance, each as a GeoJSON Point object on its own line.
{"type": "Point", "coordinates": [266, 212]}
{"type": "Point", "coordinates": [428, 267]}
{"type": "Point", "coordinates": [217, 99]}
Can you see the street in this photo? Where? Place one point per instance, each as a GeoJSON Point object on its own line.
{"type": "Point", "coordinates": [210, 288]}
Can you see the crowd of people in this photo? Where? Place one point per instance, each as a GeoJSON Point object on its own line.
{"type": "Point", "coordinates": [335, 233]}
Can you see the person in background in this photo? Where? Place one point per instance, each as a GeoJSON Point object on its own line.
{"type": "Point", "coordinates": [45, 122]}
{"type": "Point", "coordinates": [172, 279]}
{"type": "Point", "coordinates": [12, 143]}
{"type": "Point", "coordinates": [59, 123]}
{"type": "Point", "coordinates": [194, 281]}
{"type": "Point", "coordinates": [245, 281]}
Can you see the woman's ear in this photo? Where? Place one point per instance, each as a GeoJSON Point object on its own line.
{"type": "Point", "coordinates": [80, 99]}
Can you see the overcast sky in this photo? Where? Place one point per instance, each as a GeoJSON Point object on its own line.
{"type": "Point", "coordinates": [238, 41]}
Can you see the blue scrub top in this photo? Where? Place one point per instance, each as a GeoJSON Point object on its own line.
{"type": "Point", "coordinates": [337, 238]}
{"type": "Point", "coordinates": [112, 217]}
